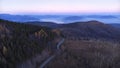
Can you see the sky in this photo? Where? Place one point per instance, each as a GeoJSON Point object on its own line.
{"type": "Point", "coordinates": [58, 6]}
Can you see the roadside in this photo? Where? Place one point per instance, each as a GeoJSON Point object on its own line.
{"type": "Point", "coordinates": [54, 55]}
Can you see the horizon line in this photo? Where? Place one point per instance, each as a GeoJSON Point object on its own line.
{"type": "Point", "coordinates": [57, 13]}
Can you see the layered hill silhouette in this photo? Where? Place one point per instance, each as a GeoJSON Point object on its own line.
{"type": "Point", "coordinates": [90, 29]}
{"type": "Point", "coordinates": [18, 18]}
{"type": "Point", "coordinates": [113, 18]}
{"type": "Point", "coordinates": [85, 30]}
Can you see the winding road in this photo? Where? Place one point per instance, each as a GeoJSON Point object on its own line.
{"type": "Point", "coordinates": [53, 56]}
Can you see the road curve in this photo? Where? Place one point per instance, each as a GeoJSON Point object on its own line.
{"type": "Point", "coordinates": [60, 43]}
{"type": "Point", "coordinates": [53, 56]}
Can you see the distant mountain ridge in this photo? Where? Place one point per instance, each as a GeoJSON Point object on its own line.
{"type": "Point", "coordinates": [60, 18]}
{"type": "Point", "coordinates": [102, 16]}
{"type": "Point", "coordinates": [17, 18]}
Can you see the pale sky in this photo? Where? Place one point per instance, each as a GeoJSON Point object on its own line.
{"type": "Point", "coordinates": [59, 6]}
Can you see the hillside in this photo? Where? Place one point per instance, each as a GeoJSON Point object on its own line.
{"type": "Point", "coordinates": [84, 41]}
{"type": "Point", "coordinates": [19, 42]}
{"type": "Point", "coordinates": [88, 45]}
{"type": "Point", "coordinates": [87, 54]}
{"type": "Point", "coordinates": [90, 29]}
{"type": "Point", "coordinates": [47, 24]}
{"type": "Point", "coordinates": [115, 25]}
{"type": "Point", "coordinates": [85, 30]}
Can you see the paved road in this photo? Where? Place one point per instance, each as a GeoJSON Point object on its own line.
{"type": "Point", "coordinates": [47, 61]}
{"type": "Point", "coordinates": [53, 56]}
{"type": "Point", "coordinates": [60, 43]}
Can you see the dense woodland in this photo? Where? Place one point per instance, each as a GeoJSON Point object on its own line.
{"type": "Point", "coordinates": [18, 42]}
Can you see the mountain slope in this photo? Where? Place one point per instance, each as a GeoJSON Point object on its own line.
{"type": "Point", "coordinates": [48, 24]}
{"type": "Point", "coordinates": [90, 29]}
{"type": "Point", "coordinates": [19, 42]}
{"type": "Point", "coordinates": [87, 54]}
{"type": "Point", "coordinates": [116, 25]}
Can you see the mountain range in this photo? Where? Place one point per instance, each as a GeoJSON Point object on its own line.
{"type": "Point", "coordinates": [61, 18]}
{"type": "Point", "coordinates": [86, 29]}
{"type": "Point", "coordinates": [21, 41]}
{"type": "Point", "coordinates": [18, 18]}
{"type": "Point", "coordinates": [90, 29]}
